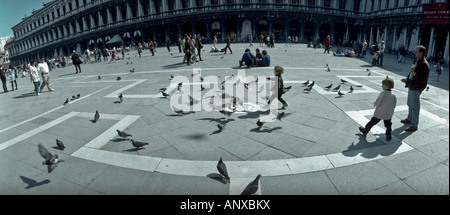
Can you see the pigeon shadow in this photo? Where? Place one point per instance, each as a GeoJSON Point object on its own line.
{"type": "Point", "coordinates": [338, 97]}
{"type": "Point", "coordinates": [370, 150]}
{"type": "Point", "coordinates": [25, 95]}
{"type": "Point", "coordinates": [265, 130]}
{"type": "Point", "coordinates": [117, 102]}
{"type": "Point", "coordinates": [253, 115]}
{"type": "Point", "coordinates": [57, 148]}
{"type": "Point", "coordinates": [366, 65]}
{"type": "Point", "coordinates": [132, 149]}
{"type": "Point", "coordinates": [118, 140]}
{"type": "Point", "coordinates": [216, 177]}
{"type": "Point", "coordinates": [93, 121]}
{"type": "Point", "coordinates": [197, 136]}
{"type": "Point", "coordinates": [178, 115]}
{"type": "Point", "coordinates": [32, 183]}
{"type": "Point", "coordinates": [216, 132]}
{"type": "Point", "coordinates": [67, 74]}
{"type": "Point", "coordinates": [218, 120]}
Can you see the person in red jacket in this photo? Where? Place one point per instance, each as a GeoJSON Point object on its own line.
{"type": "Point", "coordinates": [327, 44]}
{"type": "Point", "coordinates": [417, 81]}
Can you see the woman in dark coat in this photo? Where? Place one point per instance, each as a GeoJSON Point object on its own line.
{"type": "Point", "coordinates": [76, 61]}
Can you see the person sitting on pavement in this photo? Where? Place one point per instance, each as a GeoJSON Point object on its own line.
{"type": "Point", "coordinates": [259, 56]}
{"type": "Point", "coordinates": [349, 53]}
{"type": "Point", "coordinates": [248, 58]}
{"type": "Point", "coordinates": [339, 52]}
{"type": "Point", "coordinates": [265, 60]}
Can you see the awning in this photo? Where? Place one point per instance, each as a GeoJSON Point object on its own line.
{"type": "Point", "coordinates": [115, 39]}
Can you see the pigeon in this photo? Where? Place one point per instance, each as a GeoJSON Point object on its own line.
{"type": "Point", "coordinates": [281, 115]}
{"type": "Point", "coordinates": [138, 144]}
{"type": "Point", "coordinates": [123, 134]}
{"type": "Point", "coordinates": [50, 159]}
{"type": "Point", "coordinates": [288, 88]}
{"type": "Point", "coordinates": [171, 77]}
{"type": "Point", "coordinates": [223, 170]}
{"type": "Point", "coordinates": [327, 65]}
{"type": "Point", "coordinates": [306, 83]}
{"type": "Point", "coordinates": [73, 98]}
{"type": "Point", "coordinates": [163, 89]}
{"type": "Point", "coordinates": [351, 88]}
{"type": "Point", "coordinates": [165, 94]}
{"type": "Point", "coordinates": [337, 88]}
{"type": "Point", "coordinates": [202, 88]}
{"type": "Point", "coordinates": [120, 97]}
{"type": "Point", "coordinates": [387, 76]}
{"type": "Point", "coordinates": [252, 187]}
{"type": "Point", "coordinates": [176, 110]}
{"type": "Point", "coordinates": [193, 101]}
{"type": "Point", "coordinates": [368, 74]}
{"type": "Point", "coordinates": [343, 81]}
{"type": "Point", "coordinates": [171, 54]}
{"type": "Point", "coordinates": [311, 84]}
{"type": "Point", "coordinates": [128, 63]}
{"type": "Point", "coordinates": [227, 113]}
{"type": "Point", "coordinates": [259, 123]}
{"type": "Point", "coordinates": [66, 102]}
{"type": "Point", "coordinates": [132, 70]}
{"type": "Point", "coordinates": [99, 77]}
{"type": "Point", "coordinates": [78, 96]}
{"type": "Point", "coordinates": [96, 116]}
{"type": "Point", "coordinates": [367, 70]}
{"type": "Point", "coordinates": [131, 63]}
{"type": "Point", "coordinates": [328, 69]}
{"type": "Point", "coordinates": [220, 127]}
{"type": "Point", "coordinates": [119, 78]}
{"type": "Point", "coordinates": [60, 144]}
{"type": "Point", "coordinates": [222, 57]}
{"type": "Point", "coordinates": [340, 94]}
{"type": "Point", "coordinates": [308, 89]}
{"type": "Point", "coordinates": [329, 86]}
{"type": "Point", "coordinates": [428, 87]}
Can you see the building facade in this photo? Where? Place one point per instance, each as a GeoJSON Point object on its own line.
{"type": "Point", "coordinates": [65, 25]}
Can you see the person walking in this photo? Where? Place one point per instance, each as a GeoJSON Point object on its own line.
{"type": "Point", "coordinates": [34, 75]}
{"type": "Point", "coordinates": [420, 72]}
{"type": "Point", "coordinates": [199, 45]}
{"type": "Point", "coordinates": [3, 77]}
{"type": "Point", "coordinates": [12, 77]}
{"type": "Point", "coordinates": [187, 51]}
{"type": "Point", "coordinates": [250, 39]}
{"type": "Point", "coordinates": [140, 49]}
{"type": "Point", "coordinates": [327, 44]}
{"type": "Point", "coordinates": [151, 47]}
{"type": "Point", "coordinates": [261, 40]}
{"type": "Point", "coordinates": [215, 42]}
{"type": "Point", "coordinates": [382, 48]}
{"type": "Point", "coordinates": [168, 44]}
{"type": "Point", "coordinates": [278, 72]}
{"type": "Point", "coordinates": [179, 45]}
{"type": "Point", "coordinates": [272, 38]}
{"type": "Point", "coordinates": [385, 105]}
{"type": "Point", "coordinates": [228, 45]}
{"type": "Point", "coordinates": [45, 73]}
{"type": "Point", "coordinates": [364, 48]}
{"type": "Point", "coordinates": [402, 53]}
{"type": "Point", "coordinates": [76, 61]}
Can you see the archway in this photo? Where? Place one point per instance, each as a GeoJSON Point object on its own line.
{"type": "Point", "coordinates": [324, 31]}
{"type": "Point", "coordinates": [126, 39]}
{"type": "Point", "coordinates": [216, 30]}
{"type": "Point", "coordinates": [262, 28]}
{"type": "Point", "coordinates": [294, 27]}
{"type": "Point", "coordinates": [99, 43]}
{"type": "Point", "coordinates": [137, 37]}
{"type": "Point", "coordinates": [339, 31]}
{"type": "Point", "coordinates": [278, 30]}
{"type": "Point", "coordinates": [91, 45]}
{"type": "Point", "coordinates": [231, 29]}
{"type": "Point", "coordinates": [441, 39]}
{"type": "Point", "coordinates": [246, 29]}
{"type": "Point", "coordinates": [201, 29]}
{"type": "Point", "coordinates": [186, 28]}
{"type": "Point", "coordinates": [309, 31]}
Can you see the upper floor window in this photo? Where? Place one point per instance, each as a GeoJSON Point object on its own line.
{"type": "Point", "coordinates": [214, 2]}
{"type": "Point", "coordinates": [279, 1]}
{"type": "Point", "coordinates": [246, 1]}
{"type": "Point", "coordinates": [311, 2]}
{"type": "Point", "coordinates": [230, 1]}
{"type": "Point", "coordinates": [327, 3]}
{"type": "Point", "coordinates": [356, 5]}
{"type": "Point", "coordinates": [70, 6]}
{"type": "Point", "coordinates": [199, 2]}
{"type": "Point", "coordinates": [387, 4]}
{"type": "Point", "coordinates": [406, 3]}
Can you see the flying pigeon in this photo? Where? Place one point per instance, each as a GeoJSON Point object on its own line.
{"type": "Point", "coordinates": [96, 116]}
{"type": "Point", "coordinates": [119, 78]}
{"type": "Point", "coordinates": [99, 77]}
{"type": "Point", "coordinates": [123, 134]}
{"type": "Point", "coordinates": [252, 187]}
{"type": "Point", "coordinates": [343, 81]}
{"type": "Point", "coordinates": [138, 144]}
{"type": "Point", "coordinates": [220, 127]}
{"type": "Point", "coordinates": [66, 102]}
{"type": "Point", "coordinates": [50, 160]}
{"type": "Point", "coordinates": [340, 94]}
{"type": "Point", "coordinates": [329, 86]}
{"type": "Point", "coordinates": [128, 63]}
{"type": "Point", "coordinates": [120, 97]}
{"type": "Point", "coordinates": [60, 144]}
{"type": "Point", "coordinates": [223, 170]}
{"type": "Point", "coordinates": [337, 88]}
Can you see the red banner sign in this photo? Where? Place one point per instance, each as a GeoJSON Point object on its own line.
{"type": "Point", "coordinates": [435, 13]}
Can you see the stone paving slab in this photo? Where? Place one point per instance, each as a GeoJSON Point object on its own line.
{"type": "Point", "coordinates": [335, 157]}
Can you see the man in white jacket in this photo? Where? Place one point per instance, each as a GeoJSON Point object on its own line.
{"type": "Point", "coordinates": [45, 73]}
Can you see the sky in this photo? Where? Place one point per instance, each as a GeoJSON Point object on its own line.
{"type": "Point", "coordinates": [12, 12]}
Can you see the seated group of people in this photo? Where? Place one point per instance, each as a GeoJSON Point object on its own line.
{"type": "Point", "coordinates": [348, 53]}
{"type": "Point", "coordinates": [250, 60]}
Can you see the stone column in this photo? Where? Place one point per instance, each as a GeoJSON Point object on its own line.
{"type": "Point", "coordinates": [140, 9]}
{"type": "Point", "coordinates": [109, 16]}
{"type": "Point", "coordinates": [77, 26]}
{"type": "Point", "coordinates": [70, 28]}
{"type": "Point", "coordinates": [118, 14]}
{"type": "Point", "coordinates": [100, 19]}
{"type": "Point", "coordinates": [431, 43]}
{"type": "Point", "coordinates": [91, 19]}
{"type": "Point", "coordinates": [370, 37]}
{"type": "Point", "coordinates": [446, 49]}
{"type": "Point", "coordinates": [129, 12]}
{"type": "Point", "coordinates": [394, 39]}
